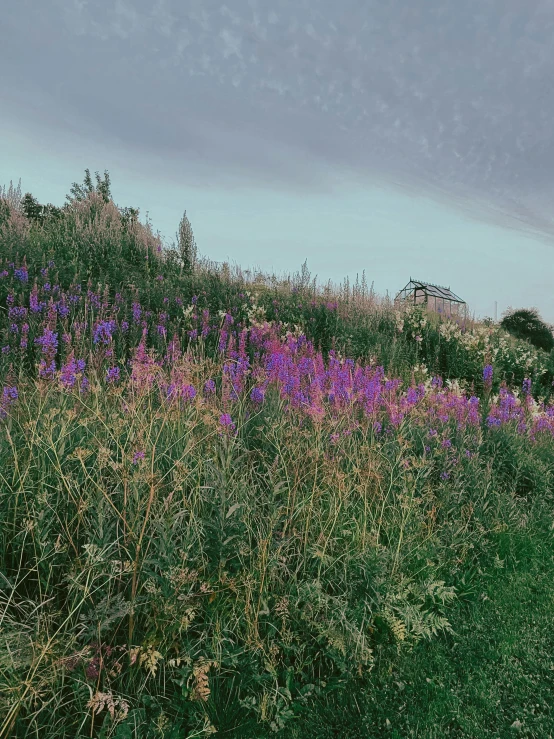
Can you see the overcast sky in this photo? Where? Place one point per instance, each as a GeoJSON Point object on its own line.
{"type": "Point", "coordinates": [406, 138]}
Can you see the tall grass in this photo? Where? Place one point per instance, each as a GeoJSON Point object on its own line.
{"type": "Point", "coordinates": [210, 515]}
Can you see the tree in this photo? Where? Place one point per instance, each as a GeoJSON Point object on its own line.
{"type": "Point", "coordinates": [186, 244]}
{"type": "Point", "coordinates": [36, 212]}
{"type": "Point", "coordinates": [525, 323]}
{"type": "Point", "coordinates": [80, 192]}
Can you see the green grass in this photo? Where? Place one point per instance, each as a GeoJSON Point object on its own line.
{"type": "Point", "coordinates": [494, 677]}
{"type": "Point", "coordinates": [308, 576]}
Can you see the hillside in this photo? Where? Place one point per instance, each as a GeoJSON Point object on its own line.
{"type": "Point", "coordinates": [255, 506]}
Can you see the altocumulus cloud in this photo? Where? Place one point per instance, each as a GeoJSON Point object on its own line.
{"type": "Point", "coordinates": [453, 97]}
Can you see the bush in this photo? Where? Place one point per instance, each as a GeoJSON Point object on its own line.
{"type": "Point", "coordinates": [525, 323]}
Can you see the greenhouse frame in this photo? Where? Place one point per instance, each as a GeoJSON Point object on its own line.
{"type": "Point", "coordinates": [435, 297]}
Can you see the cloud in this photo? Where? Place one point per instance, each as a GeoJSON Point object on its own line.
{"type": "Point", "coordinates": [447, 96]}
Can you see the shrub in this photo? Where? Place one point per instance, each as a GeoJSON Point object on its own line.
{"type": "Point", "coordinates": [525, 323]}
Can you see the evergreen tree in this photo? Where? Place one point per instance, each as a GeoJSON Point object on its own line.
{"type": "Point", "coordinates": [186, 244]}
{"type": "Point", "coordinates": [36, 212]}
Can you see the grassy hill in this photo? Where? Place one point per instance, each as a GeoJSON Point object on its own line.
{"type": "Point", "coordinates": [256, 506]}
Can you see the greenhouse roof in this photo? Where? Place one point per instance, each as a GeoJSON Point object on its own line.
{"type": "Point", "coordinates": [437, 290]}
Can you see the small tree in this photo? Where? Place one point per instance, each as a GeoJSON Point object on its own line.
{"type": "Point", "coordinates": [525, 323]}
{"type": "Point", "coordinates": [80, 192]}
{"type": "Point", "coordinates": [186, 244]}
{"type": "Point", "coordinates": [36, 212]}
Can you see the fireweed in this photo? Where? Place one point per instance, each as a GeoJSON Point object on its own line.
{"type": "Point", "coordinates": [213, 490]}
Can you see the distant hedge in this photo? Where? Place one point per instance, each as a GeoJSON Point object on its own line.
{"type": "Point", "coordinates": [525, 323]}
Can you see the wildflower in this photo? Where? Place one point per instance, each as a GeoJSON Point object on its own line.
{"type": "Point", "coordinates": [138, 456]}
{"type": "Point", "coordinates": [17, 312]}
{"type": "Point", "coordinates": [209, 387]}
{"type": "Point", "coordinates": [49, 343]}
{"type": "Point", "coordinates": [377, 427]}
{"type": "Point", "coordinates": [226, 421]}
{"type": "Point", "coordinates": [103, 332]}
{"type": "Point", "coordinates": [63, 310]}
{"type": "Point", "coordinates": [93, 669]}
{"type": "Point", "coordinates": [34, 303]}
{"type": "Point", "coordinates": [21, 274]}
{"type": "Point", "coordinates": [445, 475]}
{"type": "Point", "coordinates": [70, 370]}
{"type": "Point", "coordinates": [446, 444]}
{"type": "Point", "coordinates": [46, 370]}
{"type": "Point", "coordinates": [487, 373]}
{"type": "Point", "coordinates": [188, 392]}
{"type": "Point", "coordinates": [112, 375]}
{"type": "Point", "coordinates": [257, 395]}
{"type": "Point", "coordinates": [526, 386]}
{"type": "Point", "coordinates": [9, 396]}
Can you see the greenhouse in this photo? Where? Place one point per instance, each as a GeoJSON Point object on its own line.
{"type": "Point", "coordinates": [435, 297]}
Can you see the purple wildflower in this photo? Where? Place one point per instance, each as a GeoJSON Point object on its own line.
{"type": "Point", "coordinates": [137, 456]}
{"type": "Point", "coordinates": [257, 395]}
{"type": "Point", "coordinates": [70, 370]}
{"type": "Point", "coordinates": [226, 421]}
{"type": "Point", "coordinates": [526, 386]}
{"type": "Point", "coordinates": [113, 375]}
{"type": "Point", "coordinates": [21, 274]}
{"type": "Point", "coordinates": [9, 396]}
{"type": "Point", "coordinates": [103, 332]}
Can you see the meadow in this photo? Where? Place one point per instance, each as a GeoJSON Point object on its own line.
{"type": "Point", "coordinates": [240, 504]}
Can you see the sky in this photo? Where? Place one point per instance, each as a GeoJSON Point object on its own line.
{"type": "Point", "coordinates": [410, 138]}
